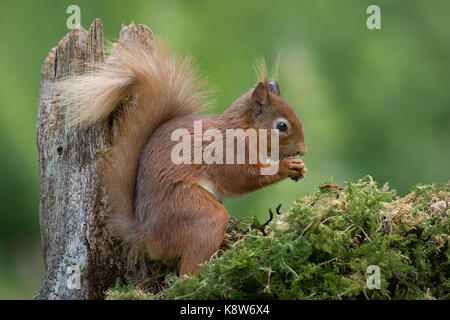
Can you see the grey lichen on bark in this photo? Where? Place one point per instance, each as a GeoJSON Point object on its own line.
{"type": "Point", "coordinates": [72, 199]}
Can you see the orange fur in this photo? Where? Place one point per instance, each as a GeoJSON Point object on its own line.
{"type": "Point", "coordinates": [172, 212]}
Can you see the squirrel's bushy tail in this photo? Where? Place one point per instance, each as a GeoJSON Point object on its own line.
{"type": "Point", "coordinates": [163, 86]}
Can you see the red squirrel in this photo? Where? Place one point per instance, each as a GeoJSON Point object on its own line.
{"type": "Point", "coordinates": [173, 212]}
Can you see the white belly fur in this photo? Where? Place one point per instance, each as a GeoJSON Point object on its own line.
{"type": "Point", "coordinates": [211, 188]}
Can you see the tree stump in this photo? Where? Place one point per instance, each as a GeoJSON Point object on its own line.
{"type": "Point", "coordinates": [72, 201]}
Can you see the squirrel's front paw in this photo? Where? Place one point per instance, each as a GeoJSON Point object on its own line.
{"type": "Point", "coordinates": [293, 168]}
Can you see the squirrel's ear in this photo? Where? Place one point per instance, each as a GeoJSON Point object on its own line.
{"type": "Point", "coordinates": [260, 94]}
{"type": "Point", "coordinates": [274, 88]}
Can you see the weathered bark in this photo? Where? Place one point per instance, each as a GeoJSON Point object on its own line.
{"type": "Point", "coordinates": [72, 201]}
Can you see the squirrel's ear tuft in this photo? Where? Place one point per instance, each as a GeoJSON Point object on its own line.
{"type": "Point", "coordinates": [274, 88]}
{"type": "Point", "coordinates": [260, 95]}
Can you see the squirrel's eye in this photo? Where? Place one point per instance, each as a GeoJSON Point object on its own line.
{"type": "Point", "coordinates": [282, 126]}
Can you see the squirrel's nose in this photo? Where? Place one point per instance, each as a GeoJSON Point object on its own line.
{"type": "Point", "coordinates": [301, 151]}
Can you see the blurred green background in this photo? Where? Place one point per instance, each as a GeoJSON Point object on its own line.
{"type": "Point", "coordinates": [372, 101]}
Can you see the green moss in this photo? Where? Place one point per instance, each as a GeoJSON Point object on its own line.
{"type": "Point", "coordinates": [127, 292]}
{"type": "Point", "coordinates": [322, 246]}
